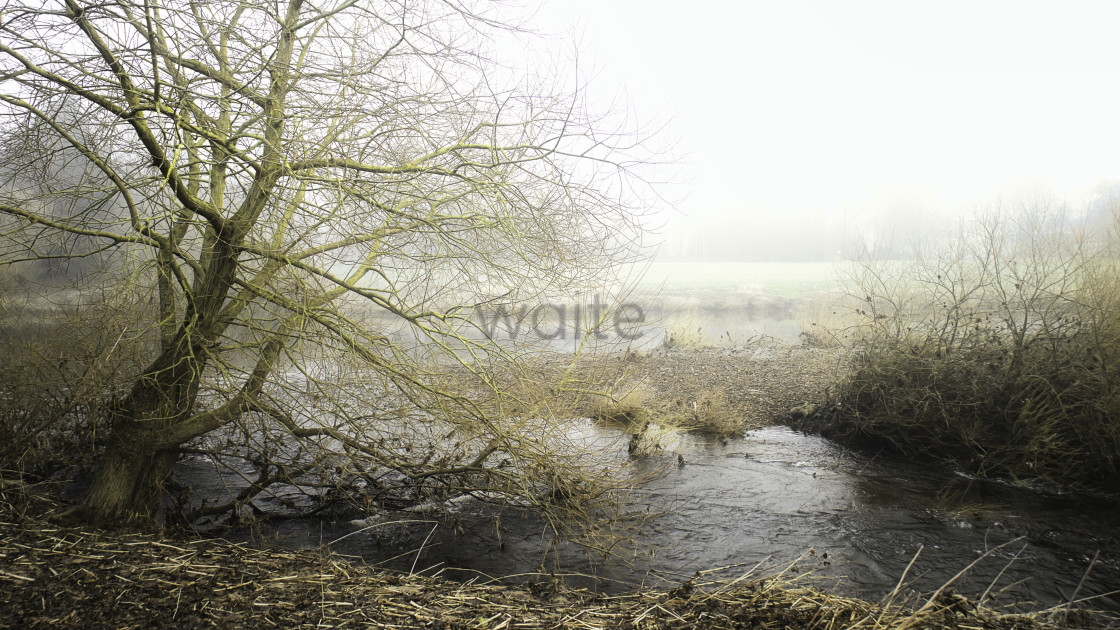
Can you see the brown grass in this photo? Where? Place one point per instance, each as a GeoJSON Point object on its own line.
{"type": "Point", "coordinates": [65, 364]}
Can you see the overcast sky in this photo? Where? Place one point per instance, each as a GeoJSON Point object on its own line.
{"type": "Point", "coordinates": [815, 108]}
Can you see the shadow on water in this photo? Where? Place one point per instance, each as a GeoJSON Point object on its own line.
{"type": "Point", "coordinates": [769, 498]}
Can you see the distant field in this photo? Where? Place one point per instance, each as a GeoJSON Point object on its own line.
{"type": "Point", "coordinates": [732, 302]}
{"type": "Point", "coordinates": [783, 279]}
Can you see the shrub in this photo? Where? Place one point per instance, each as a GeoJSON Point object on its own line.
{"type": "Point", "coordinates": [1001, 352]}
{"type": "Point", "coordinates": [66, 362]}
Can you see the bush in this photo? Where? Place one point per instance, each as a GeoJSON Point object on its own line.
{"type": "Point", "coordinates": [1002, 352]}
{"type": "Point", "coordinates": [65, 363]}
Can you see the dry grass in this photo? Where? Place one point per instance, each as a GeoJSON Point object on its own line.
{"type": "Point", "coordinates": [60, 577]}
{"type": "Point", "coordinates": [635, 405]}
{"type": "Point", "coordinates": [717, 391]}
{"type": "Point", "coordinates": [824, 324]}
{"type": "Point", "coordinates": [684, 335]}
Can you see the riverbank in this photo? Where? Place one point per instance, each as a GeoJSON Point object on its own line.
{"type": "Point", "coordinates": [66, 577]}
{"type": "Point", "coordinates": [725, 389]}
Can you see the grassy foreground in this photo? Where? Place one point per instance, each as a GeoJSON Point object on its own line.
{"type": "Point", "coordinates": [66, 577]}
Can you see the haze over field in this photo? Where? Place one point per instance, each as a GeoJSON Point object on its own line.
{"type": "Point", "coordinates": [804, 123]}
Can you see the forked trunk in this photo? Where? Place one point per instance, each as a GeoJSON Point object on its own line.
{"type": "Point", "coordinates": [140, 453]}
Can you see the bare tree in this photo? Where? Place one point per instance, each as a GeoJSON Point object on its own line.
{"type": "Point", "coordinates": [315, 193]}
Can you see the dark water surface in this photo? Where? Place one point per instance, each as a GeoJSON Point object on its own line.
{"type": "Point", "coordinates": [771, 497]}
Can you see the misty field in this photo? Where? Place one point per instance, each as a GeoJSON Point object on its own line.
{"type": "Point", "coordinates": [733, 279]}
{"type": "Point", "coordinates": [728, 303]}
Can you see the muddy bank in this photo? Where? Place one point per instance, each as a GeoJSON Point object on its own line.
{"type": "Point", "coordinates": [62, 577]}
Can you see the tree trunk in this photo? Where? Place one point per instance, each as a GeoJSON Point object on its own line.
{"type": "Point", "coordinates": [128, 484]}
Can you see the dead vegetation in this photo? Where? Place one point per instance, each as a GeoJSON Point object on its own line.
{"type": "Point", "coordinates": [717, 390]}
{"type": "Point", "coordinates": [61, 577]}
{"type": "Point", "coordinates": [66, 363]}
{"type": "Point", "coordinates": [999, 351]}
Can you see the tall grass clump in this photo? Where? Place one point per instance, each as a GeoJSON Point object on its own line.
{"type": "Point", "coordinates": [1001, 351]}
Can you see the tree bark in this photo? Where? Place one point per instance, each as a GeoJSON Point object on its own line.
{"type": "Point", "coordinates": [138, 458]}
{"type": "Point", "coordinates": [129, 482]}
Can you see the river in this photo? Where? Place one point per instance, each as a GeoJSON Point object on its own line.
{"type": "Point", "coordinates": [767, 499]}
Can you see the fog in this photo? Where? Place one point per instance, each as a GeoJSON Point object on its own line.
{"type": "Point", "coordinates": [798, 126]}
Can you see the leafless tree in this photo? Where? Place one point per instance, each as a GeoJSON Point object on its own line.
{"type": "Point", "coordinates": [315, 193]}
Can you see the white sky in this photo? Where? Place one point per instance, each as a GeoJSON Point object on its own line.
{"type": "Point", "coordinates": [811, 107]}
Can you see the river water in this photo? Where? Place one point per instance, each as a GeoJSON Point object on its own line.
{"type": "Point", "coordinates": [767, 499]}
